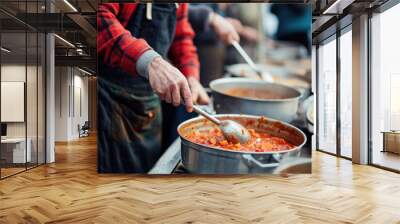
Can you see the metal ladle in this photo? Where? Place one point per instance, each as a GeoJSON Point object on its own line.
{"type": "Point", "coordinates": [233, 131]}
{"type": "Point", "coordinates": [249, 61]}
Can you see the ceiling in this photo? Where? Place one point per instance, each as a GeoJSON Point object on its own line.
{"type": "Point", "coordinates": [330, 15]}
{"type": "Point", "coordinates": [72, 20]}
{"type": "Point", "coordinates": [16, 42]}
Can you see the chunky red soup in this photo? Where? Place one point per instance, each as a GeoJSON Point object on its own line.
{"type": "Point", "coordinates": [253, 93]}
{"type": "Point", "coordinates": [259, 142]}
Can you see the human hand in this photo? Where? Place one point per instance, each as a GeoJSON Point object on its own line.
{"type": "Point", "coordinates": [169, 83]}
{"type": "Point", "coordinates": [224, 29]}
{"type": "Point", "coordinates": [199, 94]}
{"type": "Point", "coordinates": [250, 34]}
{"type": "Point", "coordinates": [235, 23]}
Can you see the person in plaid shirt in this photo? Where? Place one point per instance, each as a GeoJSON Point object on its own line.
{"type": "Point", "coordinates": [133, 44]}
{"type": "Point", "coordinates": [119, 48]}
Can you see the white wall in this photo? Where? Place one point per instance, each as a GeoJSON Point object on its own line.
{"type": "Point", "coordinates": [17, 73]}
{"type": "Point", "coordinates": [33, 127]}
{"type": "Point", "coordinates": [9, 73]}
{"type": "Point", "coordinates": [62, 82]}
{"type": "Point", "coordinates": [71, 93]}
{"type": "Point", "coordinates": [80, 100]}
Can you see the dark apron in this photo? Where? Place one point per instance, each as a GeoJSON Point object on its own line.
{"type": "Point", "coordinates": [129, 113]}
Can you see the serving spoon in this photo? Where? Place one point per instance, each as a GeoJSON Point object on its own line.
{"type": "Point", "coordinates": [232, 131]}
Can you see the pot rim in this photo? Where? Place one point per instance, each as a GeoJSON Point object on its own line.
{"type": "Point", "coordinates": [287, 73]}
{"type": "Point", "coordinates": [256, 82]}
{"type": "Point", "coordinates": [310, 119]}
{"type": "Point", "coordinates": [207, 147]}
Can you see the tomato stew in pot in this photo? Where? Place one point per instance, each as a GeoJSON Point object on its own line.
{"type": "Point", "coordinates": [259, 142]}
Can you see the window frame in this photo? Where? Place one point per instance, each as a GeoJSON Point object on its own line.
{"type": "Point", "coordinates": [334, 37]}
{"type": "Point", "coordinates": [381, 9]}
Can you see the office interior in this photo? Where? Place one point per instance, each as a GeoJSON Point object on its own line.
{"type": "Point", "coordinates": [48, 82]}
{"type": "Point", "coordinates": [356, 76]}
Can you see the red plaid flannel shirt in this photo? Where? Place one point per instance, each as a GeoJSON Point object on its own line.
{"type": "Point", "coordinates": [120, 49]}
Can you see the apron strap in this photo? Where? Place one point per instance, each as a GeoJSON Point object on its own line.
{"type": "Point", "coordinates": [148, 11]}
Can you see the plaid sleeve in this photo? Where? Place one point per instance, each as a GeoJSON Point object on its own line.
{"type": "Point", "coordinates": [183, 53]}
{"type": "Point", "coordinates": [115, 44]}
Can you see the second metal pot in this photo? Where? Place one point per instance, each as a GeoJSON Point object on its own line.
{"type": "Point", "coordinates": [280, 109]}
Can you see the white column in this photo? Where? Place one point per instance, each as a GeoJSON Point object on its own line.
{"type": "Point", "coordinates": [50, 92]}
{"type": "Point", "coordinates": [360, 90]}
{"type": "Point", "coordinates": [314, 91]}
{"type": "Point", "coordinates": [50, 98]}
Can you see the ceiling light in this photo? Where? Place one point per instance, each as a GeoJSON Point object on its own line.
{"type": "Point", "coordinates": [337, 7]}
{"type": "Point", "coordinates": [79, 51]}
{"type": "Point", "coordinates": [328, 10]}
{"type": "Point", "coordinates": [5, 49]}
{"type": "Point", "coordinates": [65, 41]}
{"type": "Point", "coordinates": [70, 5]}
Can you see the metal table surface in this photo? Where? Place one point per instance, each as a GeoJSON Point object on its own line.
{"type": "Point", "coordinates": [169, 160]}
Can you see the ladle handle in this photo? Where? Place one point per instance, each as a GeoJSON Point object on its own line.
{"type": "Point", "coordinates": [206, 115]}
{"type": "Point", "coordinates": [245, 56]}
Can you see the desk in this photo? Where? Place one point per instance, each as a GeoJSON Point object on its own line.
{"type": "Point", "coordinates": [13, 150]}
{"type": "Point", "coordinates": [391, 141]}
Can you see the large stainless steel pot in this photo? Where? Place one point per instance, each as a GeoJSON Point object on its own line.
{"type": "Point", "coordinates": [280, 109]}
{"type": "Point", "coordinates": [202, 159]}
{"type": "Point", "coordinates": [278, 74]}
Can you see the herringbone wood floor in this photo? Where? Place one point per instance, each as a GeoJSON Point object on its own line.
{"type": "Point", "coordinates": [71, 191]}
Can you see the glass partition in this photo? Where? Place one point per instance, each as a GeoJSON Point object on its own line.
{"type": "Point", "coordinates": [326, 132]}
{"type": "Point", "coordinates": [41, 97]}
{"type": "Point", "coordinates": [385, 89]}
{"type": "Point", "coordinates": [346, 94]}
{"type": "Point", "coordinates": [15, 150]}
{"type": "Point", "coordinates": [32, 97]}
{"type": "Point", "coordinates": [22, 89]}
